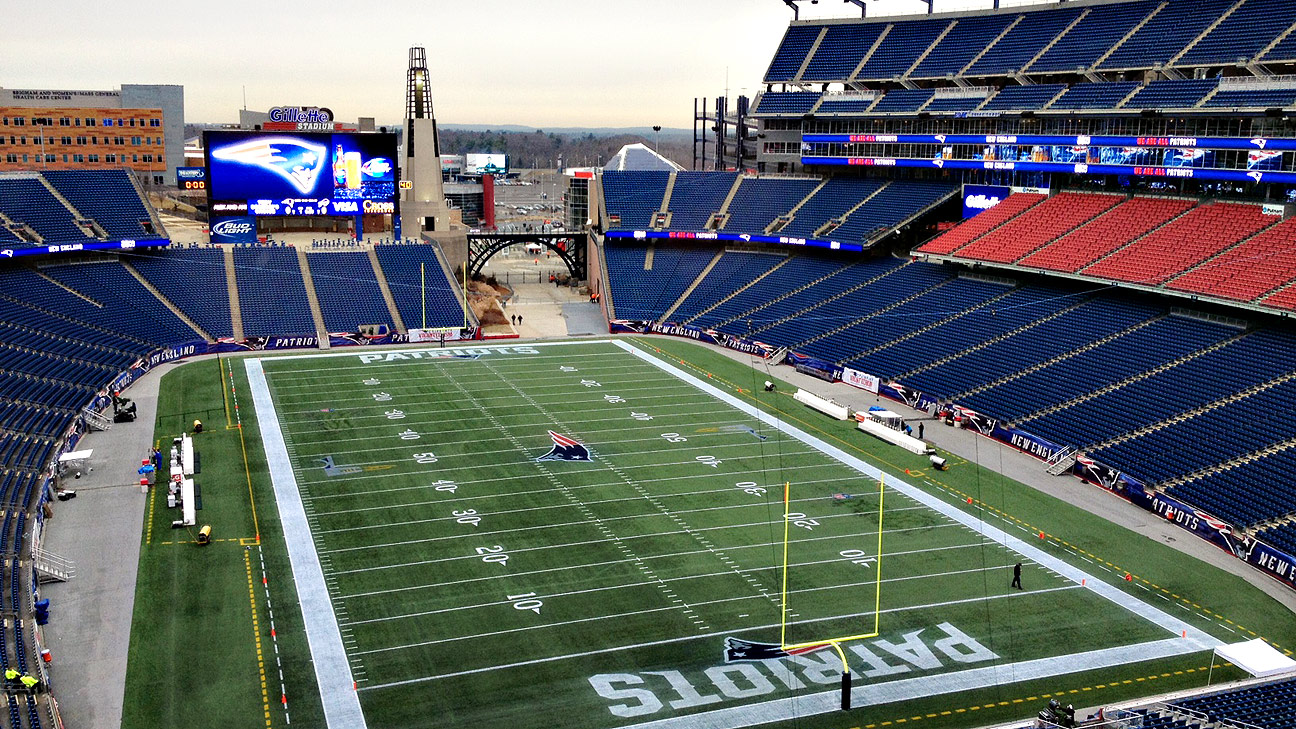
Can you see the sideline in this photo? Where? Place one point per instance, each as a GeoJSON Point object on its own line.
{"type": "Point", "coordinates": [332, 671]}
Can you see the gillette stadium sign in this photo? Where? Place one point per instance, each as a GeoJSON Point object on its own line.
{"type": "Point", "coordinates": [978, 198]}
{"type": "Point", "coordinates": [307, 118]}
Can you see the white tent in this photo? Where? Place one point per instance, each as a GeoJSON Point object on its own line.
{"type": "Point", "coordinates": [1256, 657]}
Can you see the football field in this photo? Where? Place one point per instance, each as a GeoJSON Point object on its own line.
{"type": "Point", "coordinates": [589, 535]}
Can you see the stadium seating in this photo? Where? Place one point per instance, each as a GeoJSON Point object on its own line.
{"type": "Point", "coordinates": [418, 283]}
{"type": "Point", "coordinates": [697, 196]}
{"type": "Point", "coordinates": [841, 50]}
{"type": "Point", "coordinates": [1117, 227]}
{"type": "Point", "coordinates": [1018, 98]}
{"type": "Point", "coordinates": [1243, 34]}
{"type": "Point", "coordinates": [1017, 309]}
{"type": "Point", "coordinates": [645, 294]}
{"type": "Point", "coordinates": [1182, 243]}
{"type": "Point", "coordinates": [194, 280]}
{"type": "Point", "coordinates": [1171, 94]}
{"type": "Point", "coordinates": [787, 103]}
{"type": "Point", "coordinates": [983, 223]}
{"type": "Point", "coordinates": [1037, 226]}
{"type": "Point", "coordinates": [1284, 298]}
{"type": "Point", "coordinates": [1097, 32]}
{"type": "Point", "coordinates": [836, 198]}
{"type": "Point", "coordinates": [792, 52]}
{"type": "Point", "coordinates": [106, 196]}
{"type": "Point", "coordinates": [969, 37]}
{"type": "Point", "coordinates": [1113, 360]}
{"type": "Point", "coordinates": [877, 328]}
{"type": "Point", "coordinates": [634, 196]}
{"type": "Point", "coordinates": [348, 291]}
{"type": "Point", "coordinates": [1251, 423]}
{"type": "Point", "coordinates": [1270, 705]}
{"type": "Point", "coordinates": [27, 200]}
{"type": "Point", "coordinates": [800, 283]}
{"type": "Point", "coordinates": [1166, 34]}
{"type": "Point", "coordinates": [1257, 98]}
{"type": "Point", "coordinates": [1254, 359]}
{"type": "Point", "coordinates": [902, 47]}
{"type": "Point", "coordinates": [272, 296]}
{"type": "Point", "coordinates": [895, 203]}
{"type": "Point", "coordinates": [734, 270]}
{"type": "Point", "coordinates": [1026, 39]}
{"type": "Point", "coordinates": [1088, 322]}
{"type": "Point", "coordinates": [902, 100]}
{"type": "Point", "coordinates": [759, 201]}
{"type": "Point", "coordinates": [1094, 96]}
{"type": "Point", "coordinates": [1285, 50]}
{"type": "Point", "coordinates": [1249, 270]}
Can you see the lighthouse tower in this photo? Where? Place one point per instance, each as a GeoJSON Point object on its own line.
{"type": "Point", "coordinates": [423, 205]}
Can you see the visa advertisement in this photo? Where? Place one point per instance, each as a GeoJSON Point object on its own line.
{"type": "Point", "coordinates": [295, 173]}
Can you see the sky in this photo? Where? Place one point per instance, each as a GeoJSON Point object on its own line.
{"type": "Point", "coordinates": [539, 63]}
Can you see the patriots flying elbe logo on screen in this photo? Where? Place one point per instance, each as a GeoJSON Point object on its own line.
{"type": "Point", "coordinates": [296, 160]}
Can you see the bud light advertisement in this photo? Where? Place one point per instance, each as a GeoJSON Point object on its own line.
{"type": "Point", "coordinates": [234, 230]}
{"type": "Point", "coordinates": [978, 198]}
{"type": "Point", "coordinates": [276, 167]}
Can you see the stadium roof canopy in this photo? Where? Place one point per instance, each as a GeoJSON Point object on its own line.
{"type": "Point", "coordinates": [637, 157]}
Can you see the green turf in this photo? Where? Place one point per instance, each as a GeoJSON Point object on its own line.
{"type": "Point", "coordinates": [643, 559]}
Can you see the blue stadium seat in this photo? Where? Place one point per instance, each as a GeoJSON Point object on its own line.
{"type": "Point", "coordinates": [415, 277]}
{"type": "Point", "coordinates": [841, 51]}
{"type": "Point", "coordinates": [1166, 34]}
{"type": "Point", "coordinates": [634, 196]}
{"type": "Point", "coordinates": [1013, 51]}
{"type": "Point", "coordinates": [697, 196]}
{"type": "Point", "coordinates": [792, 51]}
{"type": "Point", "coordinates": [1097, 32]}
{"type": "Point", "coordinates": [969, 37]}
{"type": "Point", "coordinates": [1243, 34]}
{"type": "Point", "coordinates": [194, 280]}
{"type": "Point", "coordinates": [272, 295]}
{"type": "Point", "coordinates": [106, 196]}
{"type": "Point", "coordinates": [348, 291]}
{"type": "Point", "coordinates": [759, 201]}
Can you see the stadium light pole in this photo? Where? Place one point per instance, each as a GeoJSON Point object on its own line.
{"type": "Point", "coordinates": [657, 138]}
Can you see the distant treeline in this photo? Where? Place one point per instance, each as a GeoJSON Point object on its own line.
{"type": "Point", "coordinates": [542, 149]}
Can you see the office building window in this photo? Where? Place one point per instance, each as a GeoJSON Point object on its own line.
{"type": "Point", "coordinates": [65, 122]}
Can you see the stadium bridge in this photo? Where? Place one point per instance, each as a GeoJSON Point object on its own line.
{"type": "Point", "coordinates": [570, 247]}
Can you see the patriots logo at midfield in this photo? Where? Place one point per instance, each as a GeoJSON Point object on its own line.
{"type": "Point", "coordinates": [738, 650]}
{"type": "Point", "coordinates": [296, 160]}
{"type": "Point", "coordinates": [565, 449]}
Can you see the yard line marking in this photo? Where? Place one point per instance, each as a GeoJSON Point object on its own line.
{"type": "Point", "coordinates": [668, 641]}
{"type": "Point", "coordinates": [571, 593]}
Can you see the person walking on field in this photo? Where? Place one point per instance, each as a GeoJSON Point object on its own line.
{"type": "Point", "coordinates": [1017, 576]}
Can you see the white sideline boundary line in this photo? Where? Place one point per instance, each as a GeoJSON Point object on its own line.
{"type": "Point", "coordinates": [1196, 639]}
{"type": "Point", "coordinates": [332, 669]}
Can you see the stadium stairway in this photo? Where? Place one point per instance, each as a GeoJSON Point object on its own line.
{"type": "Point", "coordinates": [924, 329]}
{"type": "Point", "coordinates": [180, 314]}
{"type": "Point", "coordinates": [721, 216]}
{"type": "Point", "coordinates": [769, 302]}
{"type": "Point", "coordinates": [77, 214]}
{"type": "Point", "coordinates": [1269, 450]}
{"type": "Point", "coordinates": [994, 340]}
{"type": "Point", "coordinates": [872, 315]}
{"type": "Point", "coordinates": [1194, 412]}
{"type": "Point", "coordinates": [1205, 32]}
{"type": "Point", "coordinates": [1054, 360]}
{"type": "Point", "coordinates": [663, 212]}
{"type": "Point", "coordinates": [1100, 60]}
{"type": "Point", "coordinates": [317, 314]}
{"type": "Point", "coordinates": [1133, 378]}
{"type": "Point", "coordinates": [782, 221]}
{"type": "Point", "coordinates": [928, 50]}
{"type": "Point", "coordinates": [666, 315]}
{"type": "Point", "coordinates": [835, 223]}
{"type": "Point", "coordinates": [385, 288]}
{"type": "Point", "coordinates": [149, 208]}
{"type": "Point", "coordinates": [740, 289]}
{"type": "Point", "coordinates": [231, 287]}
{"type": "Point", "coordinates": [817, 304]}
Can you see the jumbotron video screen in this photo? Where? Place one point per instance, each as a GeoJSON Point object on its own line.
{"type": "Point", "coordinates": [302, 173]}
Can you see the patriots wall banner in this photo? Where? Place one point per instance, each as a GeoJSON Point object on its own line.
{"type": "Point", "coordinates": [738, 650]}
{"type": "Point", "coordinates": [565, 449]}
